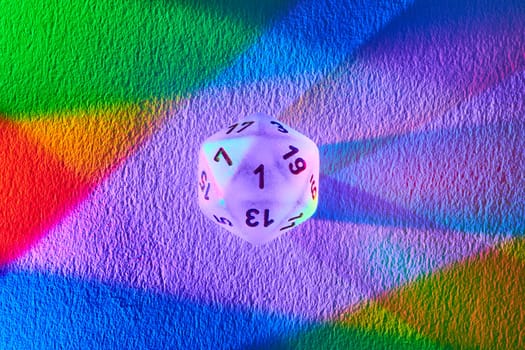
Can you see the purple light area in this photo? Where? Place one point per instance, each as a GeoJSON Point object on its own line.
{"type": "Point", "coordinates": [374, 259]}
{"type": "Point", "coordinates": [468, 179]}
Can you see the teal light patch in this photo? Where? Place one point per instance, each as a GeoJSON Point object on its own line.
{"type": "Point", "coordinates": [310, 209]}
{"type": "Point", "coordinates": [225, 156]}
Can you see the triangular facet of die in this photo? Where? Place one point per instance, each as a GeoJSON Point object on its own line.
{"type": "Point", "coordinates": [225, 156]}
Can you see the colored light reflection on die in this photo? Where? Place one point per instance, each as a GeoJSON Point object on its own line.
{"type": "Point", "coordinates": [258, 178]}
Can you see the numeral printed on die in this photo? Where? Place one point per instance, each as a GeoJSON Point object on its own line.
{"type": "Point", "coordinates": [298, 165]}
{"type": "Point", "coordinates": [292, 220]}
{"type": "Point", "coordinates": [244, 125]}
{"type": "Point", "coordinates": [225, 155]}
{"type": "Point", "coordinates": [279, 127]}
{"type": "Point", "coordinates": [223, 221]}
{"type": "Point", "coordinates": [313, 187]}
{"type": "Point", "coordinates": [260, 170]}
{"type": "Point", "coordinates": [251, 216]}
{"type": "Point", "coordinates": [204, 185]}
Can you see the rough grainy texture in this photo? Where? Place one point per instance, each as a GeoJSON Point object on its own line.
{"type": "Point", "coordinates": [418, 108]}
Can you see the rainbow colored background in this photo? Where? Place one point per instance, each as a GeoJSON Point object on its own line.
{"type": "Point", "coordinates": [418, 108]}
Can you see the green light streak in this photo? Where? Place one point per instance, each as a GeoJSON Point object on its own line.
{"type": "Point", "coordinates": [57, 56]}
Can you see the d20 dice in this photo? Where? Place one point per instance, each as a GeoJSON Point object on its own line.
{"type": "Point", "coordinates": [258, 178]}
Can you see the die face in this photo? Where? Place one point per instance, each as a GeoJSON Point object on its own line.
{"type": "Point", "coordinates": [263, 183]}
{"type": "Point", "coordinates": [306, 204]}
{"type": "Point", "coordinates": [304, 208]}
{"type": "Point", "coordinates": [280, 171]}
{"type": "Point", "coordinates": [211, 198]}
{"type": "Point", "coordinates": [224, 157]}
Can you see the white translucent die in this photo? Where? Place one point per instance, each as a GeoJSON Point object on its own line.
{"type": "Point", "coordinates": [258, 178]}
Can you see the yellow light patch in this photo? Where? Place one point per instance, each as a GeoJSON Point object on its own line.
{"type": "Point", "coordinates": [372, 317]}
{"type": "Point", "coordinates": [515, 248]}
{"type": "Point", "coordinates": [472, 304]}
{"type": "Point", "coordinates": [91, 142]}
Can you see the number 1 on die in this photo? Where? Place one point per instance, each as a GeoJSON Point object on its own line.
{"type": "Point", "coordinates": [260, 170]}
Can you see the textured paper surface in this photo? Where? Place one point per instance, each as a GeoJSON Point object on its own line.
{"type": "Point", "coordinates": [418, 109]}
